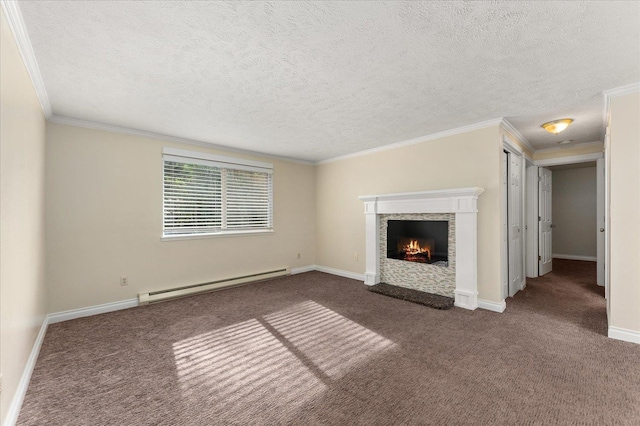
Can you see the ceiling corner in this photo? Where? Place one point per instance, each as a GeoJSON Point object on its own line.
{"type": "Point", "coordinates": [509, 127]}
{"type": "Point", "coordinates": [16, 24]}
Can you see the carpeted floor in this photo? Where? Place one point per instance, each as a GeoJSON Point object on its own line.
{"type": "Point", "coordinates": [320, 349]}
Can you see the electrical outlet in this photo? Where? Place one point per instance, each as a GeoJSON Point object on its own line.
{"type": "Point", "coordinates": [124, 281]}
{"type": "Point", "coordinates": [355, 256]}
{"type": "Point", "coordinates": [298, 255]}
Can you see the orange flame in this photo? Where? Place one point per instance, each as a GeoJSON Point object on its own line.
{"type": "Point", "coordinates": [414, 248]}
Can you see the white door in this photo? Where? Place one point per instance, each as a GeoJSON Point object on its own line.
{"type": "Point", "coordinates": [505, 226]}
{"type": "Point", "coordinates": [545, 257]}
{"type": "Point", "coordinates": [600, 221]}
{"type": "Point", "coordinates": [515, 223]}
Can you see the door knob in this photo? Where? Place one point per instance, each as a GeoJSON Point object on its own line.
{"type": "Point", "coordinates": [601, 229]}
{"type": "Point", "coordinates": [553, 226]}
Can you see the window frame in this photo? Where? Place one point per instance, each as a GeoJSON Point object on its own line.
{"type": "Point", "coordinates": [222, 162]}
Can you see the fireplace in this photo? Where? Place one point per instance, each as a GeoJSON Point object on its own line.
{"type": "Point", "coordinates": [422, 241]}
{"type": "Point", "coordinates": [455, 207]}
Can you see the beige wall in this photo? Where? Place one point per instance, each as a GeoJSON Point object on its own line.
{"type": "Point", "coordinates": [574, 212]}
{"type": "Point", "coordinates": [624, 228]}
{"type": "Point", "coordinates": [104, 220]}
{"type": "Point", "coordinates": [465, 160]}
{"type": "Point", "coordinates": [22, 153]}
{"type": "Point", "coordinates": [570, 151]}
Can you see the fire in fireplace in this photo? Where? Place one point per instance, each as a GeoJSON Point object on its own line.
{"type": "Point", "coordinates": [423, 241]}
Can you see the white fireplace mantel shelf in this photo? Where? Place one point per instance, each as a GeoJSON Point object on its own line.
{"type": "Point", "coordinates": [461, 201]}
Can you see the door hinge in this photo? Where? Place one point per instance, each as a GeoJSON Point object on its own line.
{"type": "Point", "coordinates": [539, 178]}
{"type": "Point", "coordinates": [539, 218]}
{"type": "Point", "coordinates": [539, 258]}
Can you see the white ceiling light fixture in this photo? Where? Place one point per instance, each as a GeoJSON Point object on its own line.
{"type": "Point", "coordinates": [557, 126]}
{"type": "Point", "coordinates": [568, 141]}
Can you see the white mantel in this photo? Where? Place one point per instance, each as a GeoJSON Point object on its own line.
{"type": "Point", "coordinates": [461, 201]}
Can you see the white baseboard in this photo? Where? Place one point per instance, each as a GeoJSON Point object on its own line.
{"type": "Point", "coordinates": [92, 310]}
{"type": "Point", "coordinates": [23, 384]}
{"type": "Point", "coordinates": [341, 273]}
{"type": "Point", "coordinates": [573, 257]}
{"type": "Point", "coordinates": [303, 269]}
{"type": "Point", "coordinates": [624, 334]}
{"type": "Point", "coordinates": [492, 306]}
{"type": "Point", "coordinates": [326, 269]}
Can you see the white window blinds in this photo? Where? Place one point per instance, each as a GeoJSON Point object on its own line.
{"type": "Point", "coordinates": [207, 194]}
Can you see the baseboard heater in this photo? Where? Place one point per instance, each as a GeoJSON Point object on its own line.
{"type": "Point", "coordinates": [172, 293]}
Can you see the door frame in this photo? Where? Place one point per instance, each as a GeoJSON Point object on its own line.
{"type": "Point", "coordinates": [601, 220]}
{"type": "Point", "coordinates": [532, 251]}
{"type": "Point", "coordinates": [545, 221]}
{"type": "Point", "coordinates": [513, 148]}
{"type": "Point", "coordinates": [531, 208]}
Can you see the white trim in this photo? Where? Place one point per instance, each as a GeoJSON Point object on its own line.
{"type": "Point", "coordinates": [506, 250]}
{"type": "Point", "coordinates": [624, 334]}
{"type": "Point", "coordinates": [461, 201]}
{"type": "Point", "coordinates": [221, 234]}
{"type": "Point", "coordinates": [600, 223]}
{"type": "Point", "coordinates": [622, 90]}
{"type": "Point", "coordinates": [606, 103]}
{"type": "Point", "coordinates": [509, 128]}
{"type": "Point", "coordinates": [340, 272]}
{"type": "Point", "coordinates": [303, 269]}
{"type": "Point", "coordinates": [492, 306]}
{"type": "Point", "coordinates": [614, 93]}
{"type": "Point", "coordinates": [465, 299]}
{"type": "Point", "coordinates": [19, 30]}
{"type": "Point", "coordinates": [92, 310]}
{"type": "Point", "coordinates": [420, 139]}
{"type": "Point", "coordinates": [570, 159]}
{"type": "Point", "coordinates": [128, 131]}
{"type": "Point", "coordinates": [511, 146]}
{"type": "Point", "coordinates": [532, 221]}
{"type": "Point", "coordinates": [23, 384]}
{"type": "Point", "coordinates": [183, 153]}
{"type": "Point", "coordinates": [560, 148]}
{"type": "Point", "coordinates": [434, 196]}
{"type": "Point", "coordinates": [574, 257]}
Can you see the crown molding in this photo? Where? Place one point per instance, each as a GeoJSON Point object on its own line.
{"type": "Point", "coordinates": [570, 159]}
{"type": "Point", "coordinates": [134, 132]}
{"type": "Point", "coordinates": [509, 128]}
{"type": "Point", "coordinates": [605, 116]}
{"type": "Point", "coordinates": [614, 93]}
{"type": "Point", "coordinates": [622, 90]}
{"type": "Point", "coordinates": [16, 24]}
{"type": "Point", "coordinates": [446, 133]}
{"type": "Point", "coordinates": [568, 146]}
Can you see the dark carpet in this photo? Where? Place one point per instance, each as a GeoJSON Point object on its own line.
{"type": "Point", "coordinates": [320, 349]}
{"type": "Point", "coordinates": [410, 295]}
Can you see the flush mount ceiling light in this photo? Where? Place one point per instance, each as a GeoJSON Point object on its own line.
{"type": "Point", "coordinates": [565, 142]}
{"type": "Point", "coordinates": [557, 126]}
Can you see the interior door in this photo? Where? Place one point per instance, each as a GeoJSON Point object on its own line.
{"type": "Point", "coordinates": [545, 257]}
{"type": "Point", "coordinates": [600, 221]}
{"type": "Point", "coordinates": [504, 252]}
{"type": "Point", "coordinates": [515, 223]}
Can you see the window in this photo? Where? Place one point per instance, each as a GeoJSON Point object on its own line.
{"type": "Point", "coordinates": [207, 194]}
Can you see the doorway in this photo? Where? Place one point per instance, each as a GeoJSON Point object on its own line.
{"type": "Point", "coordinates": [578, 231]}
{"type": "Point", "coordinates": [513, 219]}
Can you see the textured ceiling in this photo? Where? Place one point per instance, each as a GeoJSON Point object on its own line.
{"type": "Point", "coordinates": [315, 80]}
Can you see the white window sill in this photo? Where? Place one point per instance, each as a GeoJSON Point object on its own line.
{"type": "Point", "coordinates": [248, 232]}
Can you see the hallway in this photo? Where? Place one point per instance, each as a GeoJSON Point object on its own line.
{"type": "Point", "coordinates": [569, 294]}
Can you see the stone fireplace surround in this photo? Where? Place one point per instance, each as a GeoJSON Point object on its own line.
{"type": "Point", "coordinates": [463, 202]}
